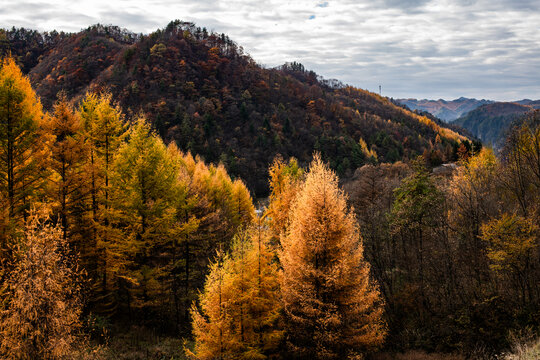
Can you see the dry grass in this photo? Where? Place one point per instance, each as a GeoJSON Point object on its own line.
{"type": "Point", "coordinates": [137, 344]}
{"type": "Point", "coordinates": [525, 351]}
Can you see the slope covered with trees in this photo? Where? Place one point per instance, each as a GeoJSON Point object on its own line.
{"type": "Point", "coordinates": [137, 234]}
{"type": "Point", "coordinates": [200, 90]}
{"type": "Point", "coordinates": [456, 257]}
{"type": "Point", "coordinates": [490, 123]}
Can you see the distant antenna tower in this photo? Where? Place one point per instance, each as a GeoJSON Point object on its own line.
{"type": "Point", "coordinates": [380, 90]}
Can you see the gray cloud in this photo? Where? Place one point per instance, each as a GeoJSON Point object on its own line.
{"type": "Point", "coordinates": [406, 5]}
{"type": "Point", "coordinates": [413, 48]}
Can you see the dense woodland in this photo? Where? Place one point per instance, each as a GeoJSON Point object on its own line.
{"type": "Point", "coordinates": [107, 223]}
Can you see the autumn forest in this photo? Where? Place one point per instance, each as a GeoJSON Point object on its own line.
{"type": "Point", "coordinates": [164, 196]}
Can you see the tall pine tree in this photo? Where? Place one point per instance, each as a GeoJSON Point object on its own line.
{"type": "Point", "coordinates": [24, 154]}
{"type": "Point", "coordinates": [144, 191]}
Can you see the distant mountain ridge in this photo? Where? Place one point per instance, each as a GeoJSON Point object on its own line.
{"type": "Point", "coordinates": [534, 104]}
{"type": "Point", "coordinates": [443, 109]}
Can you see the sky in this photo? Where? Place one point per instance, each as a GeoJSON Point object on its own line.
{"type": "Point", "coordinates": [411, 48]}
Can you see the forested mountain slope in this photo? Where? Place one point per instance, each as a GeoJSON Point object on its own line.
{"type": "Point", "coordinates": [200, 90]}
{"type": "Point", "coordinates": [491, 122]}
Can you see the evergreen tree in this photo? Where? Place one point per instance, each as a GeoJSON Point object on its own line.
{"type": "Point", "coordinates": [333, 309]}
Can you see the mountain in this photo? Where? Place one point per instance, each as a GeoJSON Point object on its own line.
{"type": "Point", "coordinates": [202, 91]}
{"type": "Point", "coordinates": [490, 122]}
{"type": "Point", "coordinates": [535, 104]}
{"type": "Point", "coordinates": [445, 110]}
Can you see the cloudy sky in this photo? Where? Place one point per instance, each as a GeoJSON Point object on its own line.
{"type": "Point", "coordinates": [412, 48]}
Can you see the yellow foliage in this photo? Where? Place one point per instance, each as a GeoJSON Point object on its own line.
{"type": "Point", "coordinates": [510, 241]}
{"type": "Point", "coordinates": [240, 304]}
{"type": "Point", "coordinates": [369, 153]}
{"type": "Point", "coordinates": [24, 147]}
{"type": "Point", "coordinates": [472, 190]}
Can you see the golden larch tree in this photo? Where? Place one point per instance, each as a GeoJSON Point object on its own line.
{"type": "Point", "coordinates": [333, 309]}
{"type": "Point", "coordinates": [23, 144]}
{"type": "Point", "coordinates": [68, 185]}
{"type": "Point", "coordinates": [240, 306]}
{"type": "Point", "coordinates": [24, 154]}
{"type": "Point", "coordinates": [210, 325]}
{"type": "Point", "coordinates": [285, 181]}
{"type": "Point", "coordinates": [221, 207]}
{"type": "Point", "coordinates": [41, 319]}
{"type": "Point", "coordinates": [104, 131]}
{"type": "Point", "coordinates": [143, 195]}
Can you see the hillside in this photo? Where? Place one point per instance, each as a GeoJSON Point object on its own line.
{"type": "Point", "coordinates": [445, 110]}
{"type": "Point", "coordinates": [200, 90]}
{"type": "Point", "coordinates": [28, 46]}
{"type": "Point", "coordinates": [490, 122]}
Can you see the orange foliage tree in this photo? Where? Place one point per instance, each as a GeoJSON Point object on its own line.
{"type": "Point", "coordinates": [333, 308]}
{"type": "Point", "coordinates": [68, 183]}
